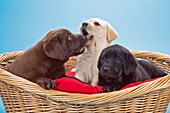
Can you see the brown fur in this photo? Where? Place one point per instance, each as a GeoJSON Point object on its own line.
{"type": "Point", "coordinates": [45, 61]}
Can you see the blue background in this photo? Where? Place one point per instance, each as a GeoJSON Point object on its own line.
{"type": "Point", "coordinates": [142, 25]}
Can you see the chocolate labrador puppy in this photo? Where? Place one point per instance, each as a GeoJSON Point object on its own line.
{"type": "Point", "coordinates": [45, 61]}
{"type": "Point", "coordinates": [118, 67]}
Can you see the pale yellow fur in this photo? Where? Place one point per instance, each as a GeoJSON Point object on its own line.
{"type": "Point", "coordinates": [86, 69]}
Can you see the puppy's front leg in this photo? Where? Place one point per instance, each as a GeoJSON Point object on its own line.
{"type": "Point", "coordinates": [95, 81]}
{"type": "Point", "coordinates": [45, 83]}
{"type": "Point", "coordinates": [82, 76]}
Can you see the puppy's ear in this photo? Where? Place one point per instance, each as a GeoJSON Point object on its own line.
{"type": "Point", "coordinates": [130, 63]}
{"type": "Point", "coordinates": [53, 49]}
{"type": "Point", "coordinates": [111, 33]}
{"type": "Point", "coordinates": [99, 62]}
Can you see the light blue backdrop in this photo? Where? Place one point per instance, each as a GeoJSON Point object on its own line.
{"type": "Point", "coordinates": [141, 24]}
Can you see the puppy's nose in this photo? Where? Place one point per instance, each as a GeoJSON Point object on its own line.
{"type": "Point", "coordinates": [106, 69]}
{"type": "Point", "coordinates": [84, 24]}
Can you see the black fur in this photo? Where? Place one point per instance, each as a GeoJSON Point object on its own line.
{"type": "Point", "coordinates": [118, 67]}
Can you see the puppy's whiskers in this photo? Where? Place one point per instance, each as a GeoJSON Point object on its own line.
{"type": "Point", "coordinates": [84, 19]}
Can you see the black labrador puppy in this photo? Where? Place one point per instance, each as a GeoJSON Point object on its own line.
{"type": "Point", "coordinates": [45, 61]}
{"type": "Point", "coordinates": [118, 67]}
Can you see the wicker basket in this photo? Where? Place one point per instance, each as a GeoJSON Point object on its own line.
{"type": "Point", "coordinates": [20, 95]}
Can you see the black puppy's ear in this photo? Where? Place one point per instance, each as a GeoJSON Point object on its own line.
{"type": "Point", "coordinates": [53, 49]}
{"type": "Point", "coordinates": [130, 63]}
{"type": "Point", "coordinates": [99, 62]}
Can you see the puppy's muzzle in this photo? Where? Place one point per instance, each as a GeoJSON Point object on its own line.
{"type": "Point", "coordinates": [84, 25]}
{"type": "Point", "coordinates": [105, 70]}
{"type": "Point", "coordinates": [84, 31]}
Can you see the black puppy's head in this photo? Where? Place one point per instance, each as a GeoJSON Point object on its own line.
{"type": "Point", "coordinates": [115, 62]}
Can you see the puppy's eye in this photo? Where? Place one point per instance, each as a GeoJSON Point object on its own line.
{"type": "Point", "coordinates": [117, 60]}
{"type": "Point", "coordinates": [69, 38]}
{"type": "Point", "coordinates": [96, 23]}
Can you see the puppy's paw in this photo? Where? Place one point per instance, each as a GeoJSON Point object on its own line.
{"type": "Point", "coordinates": [94, 84]}
{"type": "Point", "coordinates": [108, 89]}
{"type": "Point", "coordinates": [46, 83]}
{"type": "Point", "coordinates": [73, 70]}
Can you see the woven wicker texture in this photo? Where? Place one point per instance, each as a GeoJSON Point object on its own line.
{"type": "Point", "coordinates": [20, 95]}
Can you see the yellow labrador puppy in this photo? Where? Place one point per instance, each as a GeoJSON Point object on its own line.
{"type": "Point", "coordinates": [99, 35]}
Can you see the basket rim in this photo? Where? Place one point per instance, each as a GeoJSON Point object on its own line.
{"type": "Point", "coordinates": [72, 98]}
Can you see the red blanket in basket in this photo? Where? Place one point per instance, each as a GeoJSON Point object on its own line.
{"type": "Point", "coordinates": [74, 86]}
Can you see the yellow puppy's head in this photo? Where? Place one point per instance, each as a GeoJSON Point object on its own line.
{"type": "Point", "coordinates": [96, 30]}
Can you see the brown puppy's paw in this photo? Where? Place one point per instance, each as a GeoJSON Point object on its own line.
{"type": "Point", "coordinates": [46, 83]}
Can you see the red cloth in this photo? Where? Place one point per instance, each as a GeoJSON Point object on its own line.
{"type": "Point", "coordinates": [74, 86]}
{"type": "Point", "coordinates": [137, 83]}
{"type": "Point", "coordinates": [69, 73]}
